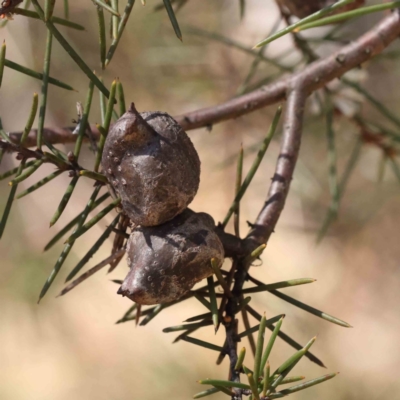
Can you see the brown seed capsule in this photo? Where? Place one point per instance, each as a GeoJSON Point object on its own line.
{"type": "Point", "coordinates": [152, 165]}
{"type": "Point", "coordinates": [302, 8]}
{"type": "Point", "coordinates": [167, 260]}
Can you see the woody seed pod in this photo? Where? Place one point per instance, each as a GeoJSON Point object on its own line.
{"type": "Point", "coordinates": [167, 260]}
{"type": "Point", "coordinates": [151, 165]}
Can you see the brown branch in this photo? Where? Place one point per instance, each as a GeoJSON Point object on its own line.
{"type": "Point", "coordinates": [291, 139]}
{"type": "Point", "coordinates": [313, 77]}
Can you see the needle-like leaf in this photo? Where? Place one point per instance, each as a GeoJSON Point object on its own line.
{"type": "Point", "coordinates": [3, 50]}
{"type": "Point", "coordinates": [254, 167]}
{"type": "Point", "coordinates": [92, 271]}
{"type": "Point", "coordinates": [279, 285]}
{"type": "Point", "coordinates": [10, 200]}
{"type": "Point", "coordinates": [34, 74]}
{"type": "Point", "coordinates": [172, 17]}
{"type": "Point", "coordinates": [68, 246]}
{"type": "Point", "coordinates": [213, 301]}
{"type": "Point", "coordinates": [45, 83]}
{"type": "Point", "coordinates": [104, 236]}
{"type": "Point", "coordinates": [121, 27]}
{"type": "Point", "coordinates": [74, 222]}
{"type": "Point", "coordinates": [222, 383]}
{"type": "Point", "coordinates": [206, 345]}
{"type": "Point", "coordinates": [80, 231]}
{"type": "Point", "coordinates": [72, 53]}
{"type": "Point", "coordinates": [310, 309]}
{"type": "Point", "coordinates": [270, 344]}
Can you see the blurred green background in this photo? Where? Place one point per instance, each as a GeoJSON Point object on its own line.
{"type": "Point", "coordinates": [70, 348]}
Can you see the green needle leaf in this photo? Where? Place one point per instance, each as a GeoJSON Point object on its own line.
{"type": "Point", "coordinates": [390, 115]}
{"type": "Point", "coordinates": [55, 20]}
{"type": "Point", "coordinates": [295, 357]}
{"type": "Point", "coordinates": [187, 326]}
{"type": "Point", "coordinates": [304, 385]}
{"type": "Point", "coordinates": [13, 171]}
{"type": "Point", "coordinates": [270, 344]}
{"type": "Point", "coordinates": [64, 201]}
{"type": "Point", "coordinates": [2, 60]}
{"type": "Point", "coordinates": [121, 98]}
{"type": "Point", "coordinates": [213, 301]}
{"type": "Point", "coordinates": [154, 312]}
{"type": "Point", "coordinates": [115, 18]}
{"type": "Point", "coordinates": [36, 75]}
{"type": "Point", "coordinates": [206, 345]}
{"type": "Point", "coordinates": [279, 285]}
{"type": "Point", "coordinates": [74, 221]}
{"type": "Point", "coordinates": [240, 359]}
{"type": "Point", "coordinates": [333, 182]}
{"type": "Point", "coordinates": [93, 175]}
{"type": "Point", "coordinates": [292, 379]}
{"type": "Point", "coordinates": [236, 45]}
{"type": "Point", "coordinates": [253, 386]}
{"type": "Point", "coordinates": [202, 300]}
{"type": "Point", "coordinates": [10, 200]}
{"type": "Point", "coordinates": [256, 328]}
{"type": "Point", "coordinates": [259, 348]}
{"type": "Point", "coordinates": [127, 314]}
{"type": "Point", "coordinates": [79, 232]}
{"type": "Point", "coordinates": [330, 216]}
{"type": "Point", "coordinates": [222, 383]}
{"type": "Point", "coordinates": [39, 184]}
{"type": "Point", "coordinates": [26, 173]}
{"type": "Point", "coordinates": [238, 184]}
{"type": "Point", "coordinates": [286, 338]}
{"type": "Point", "coordinates": [68, 246]}
{"type": "Point", "coordinates": [31, 118]}
{"type": "Point", "coordinates": [255, 254]}
{"type": "Point", "coordinates": [242, 6]}
{"type": "Point", "coordinates": [66, 9]}
{"type": "Point", "coordinates": [310, 309]}
{"type": "Point", "coordinates": [102, 36]}
{"type": "Point", "coordinates": [49, 8]}
{"type": "Point", "coordinates": [121, 27]}
{"type": "Point", "coordinates": [218, 274]}
{"type": "Point", "coordinates": [206, 393]}
{"type": "Point", "coordinates": [119, 254]}
{"type": "Point", "coordinates": [359, 12]}
{"type": "Point", "coordinates": [310, 18]}
{"type": "Point", "coordinates": [142, 313]}
{"type": "Point", "coordinates": [93, 249]}
{"type": "Point", "coordinates": [104, 5]}
{"type": "Point", "coordinates": [266, 379]}
{"type": "Point", "coordinates": [200, 316]}
{"type": "Point", "coordinates": [72, 53]}
{"type": "Point", "coordinates": [45, 83]}
{"type": "Point", "coordinates": [172, 17]}
{"type": "Point", "coordinates": [84, 120]}
{"type": "Point", "coordinates": [254, 167]}
{"type": "Point", "coordinates": [106, 125]}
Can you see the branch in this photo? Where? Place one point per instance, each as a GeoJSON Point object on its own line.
{"type": "Point", "coordinates": [291, 139]}
{"type": "Point", "coordinates": [313, 77]}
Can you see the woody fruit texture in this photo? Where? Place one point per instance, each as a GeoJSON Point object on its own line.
{"type": "Point", "coordinates": [166, 261]}
{"type": "Point", "coordinates": [151, 165]}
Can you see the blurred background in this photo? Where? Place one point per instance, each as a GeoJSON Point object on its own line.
{"type": "Point", "coordinates": [70, 347]}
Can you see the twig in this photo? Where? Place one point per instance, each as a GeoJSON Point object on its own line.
{"type": "Point", "coordinates": [313, 77]}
